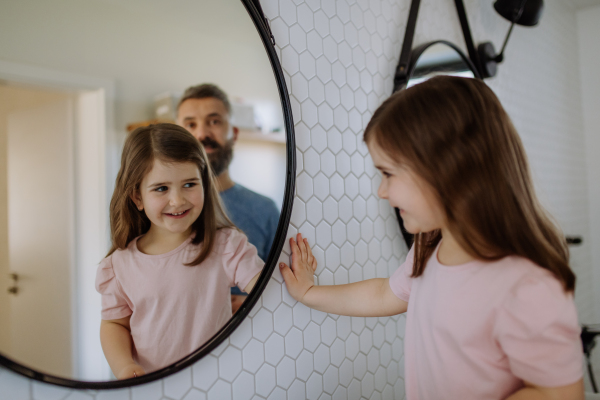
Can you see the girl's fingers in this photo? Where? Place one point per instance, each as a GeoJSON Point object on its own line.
{"type": "Point", "coordinates": [287, 273]}
{"type": "Point", "coordinates": [301, 246]}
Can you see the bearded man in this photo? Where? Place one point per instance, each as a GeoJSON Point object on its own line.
{"type": "Point", "coordinates": [205, 111]}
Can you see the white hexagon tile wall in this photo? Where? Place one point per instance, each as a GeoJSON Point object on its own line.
{"type": "Point", "coordinates": [338, 58]}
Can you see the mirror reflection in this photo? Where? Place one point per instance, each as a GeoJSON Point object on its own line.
{"type": "Point", "coordinates": [439, 59]}
{"type": "Point", "coordinates": [75, 80]}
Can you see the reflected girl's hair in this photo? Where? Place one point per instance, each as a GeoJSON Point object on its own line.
{"type": "Point", "coordinates": [454, 134]}
{"type": "Point", "coordinates": [172, 144]}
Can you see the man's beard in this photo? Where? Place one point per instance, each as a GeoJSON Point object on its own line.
{"type": "Point", "coordinates": [221, 156]}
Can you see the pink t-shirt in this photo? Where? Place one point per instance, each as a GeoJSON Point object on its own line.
{"type": "Point", "coordinates": [175, 308]}
{"type": "Point", "coordinates": [478, 330]}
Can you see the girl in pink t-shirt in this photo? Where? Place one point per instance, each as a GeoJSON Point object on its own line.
{"type": "Point", "coordinates": [165, 283]}
{"type": "Point", "coordinates": [486, 286]}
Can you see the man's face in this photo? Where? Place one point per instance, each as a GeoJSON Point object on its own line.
{"type": "Point", "coordinates": [207, 119]}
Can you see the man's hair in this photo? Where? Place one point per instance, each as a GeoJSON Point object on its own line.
{"type": "Point", "coordinates": [204, 91]}
{"type": "Point", "coordinates": [454, 134]}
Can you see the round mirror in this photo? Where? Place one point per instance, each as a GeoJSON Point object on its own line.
{"type": "Point", "coordinates": [77, 77]}
{"type": "Point", "coordinates": [438, 58]}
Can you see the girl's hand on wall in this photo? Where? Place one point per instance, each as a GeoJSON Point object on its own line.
{"type": "Point", "coordinates": [131, 371]}
{"type": "Point", "coordinates": [299, 279]}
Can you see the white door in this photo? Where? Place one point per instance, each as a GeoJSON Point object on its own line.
{"type": "Point", "coordinates": [40, 230]}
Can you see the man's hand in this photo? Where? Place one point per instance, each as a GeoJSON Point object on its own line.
{"type": "Point", "coordinates": [130, 371]}
{"type": "Point", "coordinates": [300, 278]}
{"type": "Point", "coordinates": [236, 302]}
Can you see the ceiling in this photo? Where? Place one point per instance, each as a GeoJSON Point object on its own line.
{"type": "Point", "coordinates": [577, 4]}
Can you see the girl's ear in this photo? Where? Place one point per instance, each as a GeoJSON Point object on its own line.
{"type": "Point", "coordinates": [137, 200]}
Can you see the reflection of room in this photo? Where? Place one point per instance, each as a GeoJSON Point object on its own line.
{"type": "Point", "coordinates": [548, 83]}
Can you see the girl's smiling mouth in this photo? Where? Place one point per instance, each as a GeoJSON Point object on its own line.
{"type": "Point", "coordinates": [178, 215]}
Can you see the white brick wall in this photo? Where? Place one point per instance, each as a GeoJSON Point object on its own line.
{"type": "Point", "coordinates": [339, 58]}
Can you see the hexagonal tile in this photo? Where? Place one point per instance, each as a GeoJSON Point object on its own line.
{"type": "Point", "coordinates": [277, 394]}
{"type": "Point", "coordinates": [321, 186]}
{"type": "Point", "coordinates": [351, 185]}
{"type": "Point", "coordinates": [314, 386]}
{"type": "Point", "coordinates": [220, 391]}
{"type": "Point", "coordinates": [293, 343]}
{"type": "Point", "coordinates": [323, 69]}
{"type": "Point", "coordinates": [178, 384]}
{"type": "Point", "coordinates": [314, 43]}
{"type": "Point", "coordinates": [340, 277]}
{"type": "Point", "coordinates": [338, 233]}
{"type": "Point", "coordinates": [309, 113]}
{"type": "Point", "coordinates": [326, 277]}
{"type": "Point", "coordinates": [301, 316]}
{"type": "Point", "coordinates": [353, 231]}
{"type": "Point", "coordinates": [327, 162]}
{"type": "Point", "coordinates": [368, 385]}
{"type": "Point", "coordinates": [323, 233]}
{"type": "Point", "coordinates": [286, 372]}
{"type": "Point", "coordinates": [351, 35]}
{"type": "Point", "coordinates": [265, 380]}
{"type": "Point", "coordinates": [345, 54]}
{"type": "Point", "coordinates": [321, 23]}
{"type": "Point", "coordinates": [359, 59]}
{"type": "Point", "coordinates": [347, 252]}
{"type": "Point", "coordinates": [355, 273]}
{"type": "Point", "coordinates": [366, 340]}
{"type": "Point", "coordinates": [369, 271]}
{"type": "Point", "coordinates": [304, 365]}
{"type": "Point", "coordinates": [332, 257]}
{"type": "Point", "coordinates": [346, 372]}
{"type": "Point", "coordinates": [331, 379]}
{"type": "Point", "coordinates": [366, 83]}
{"type": "Point", "coordinates": [312, 162]}
{"type": "Point", "coordinates": [338, 72]}
{"type": "Point", "coordinates": [330, 209]}
{"type": "Point", "coordinates": [253, 356]}
{"type": "Point", "coordinates": [262, 324]}
{"type": "Point", "coordinates": [304, 186]}
{"type": "Point", "coordinates": [359, 207]}
{"type": "Point", "coordinates": [342, 162]}
{"type": "Point", "coordinates": [289, 60]}
{"type": "Point", "coordinates": [230, 364]}
{"type": "Point", "coordinates": [205, 372]}
{"type": "Point", "coordinates": [297, 391]}
{"type": "Point", "coordinates": [347, 98]}
{"type": "Point", "coordinates": [193, 394]}
{"type": "Point", "coordinates": [336, 186]}
{"type": "Point", "coordinates": [325, 115]}
{"type": "Point", "coordinates": [308, 66]}
{"type": "Point", "coordinates": [355, 122]}
{"type": "Point", "coordinates": [336, 29]}
{"type": "Point", "coordinates": [305, 17]}
{"type": "Point", "coordinates": [297, 38]}
{"type": "Point", "coordinates": [314, 211]}
{"type": "Point", "coordinates": [358, 324]}
{"type": "Point", "coordinates": [242, 335]}
{"type": "Point", "coordinates": [299, 87]}
{"type": "Point", "coordinates": [345, 209]}
{"type": "Point", "coordinates": [332, 94]}
{"type": "Point", "coordinates": [280, 31]}
{"type": "Point", "coordinates": [243, 387]}
{"type": "Point", "coordinates": [385, 355]}
{"type": "Point", "coordinates": [330, 49]}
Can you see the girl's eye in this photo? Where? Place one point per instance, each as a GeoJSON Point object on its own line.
{"type": "Point", "coordinates": [190, 185]}
{"type": "Point", "coordinates": [386, 174]}
{"type": "Point", "coordinates": [160, 189]}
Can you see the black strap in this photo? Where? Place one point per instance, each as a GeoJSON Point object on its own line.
{"type": "Point", "coordinates": [464, 23]}
{"type": "Point", "coordinates": [402, 69]}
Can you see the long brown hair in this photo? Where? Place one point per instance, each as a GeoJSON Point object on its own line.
{"type": "Point", "coordinates": [454, 134]}
{"type": "Point", "coordinates": [169, 143]}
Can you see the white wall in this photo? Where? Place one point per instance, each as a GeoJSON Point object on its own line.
{"type": "Point", "coordinates": [588, 21]}
{"type": "Point", "coordinates": [339, 59]}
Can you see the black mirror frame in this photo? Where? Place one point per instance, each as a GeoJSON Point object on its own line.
{"type": "Point", "coordinates": [258, 18]}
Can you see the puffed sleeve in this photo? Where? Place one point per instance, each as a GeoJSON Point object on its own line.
{"type": "Point", "coordinates": [538, 331]}
{"type": "Point", "coordinates": [400, 281]}
{"type": "Point", "coordinates": [114, 301]}
{"type": "Point", "coordinates": [240, 259]}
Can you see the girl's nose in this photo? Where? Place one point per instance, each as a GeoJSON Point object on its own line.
{"type": "Point", "coordinates": [382, 190]}
{"type": "Point", "coordinates": [176, 198]}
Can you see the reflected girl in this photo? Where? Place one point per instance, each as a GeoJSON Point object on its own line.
{"type": "Point", "coordinates": [175, 254]}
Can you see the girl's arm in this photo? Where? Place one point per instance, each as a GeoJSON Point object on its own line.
{"type": "Point", "coordinates": [532, 392]}
{"type": "Point", "coordinates": [116, 341]}
{"type": "Point", "coordinates": [370, 298]}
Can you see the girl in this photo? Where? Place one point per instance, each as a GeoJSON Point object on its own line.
{"type": "Point", "coordinates": [175, 254]}
{"type": "Point", "coordinates": [486, 286]}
